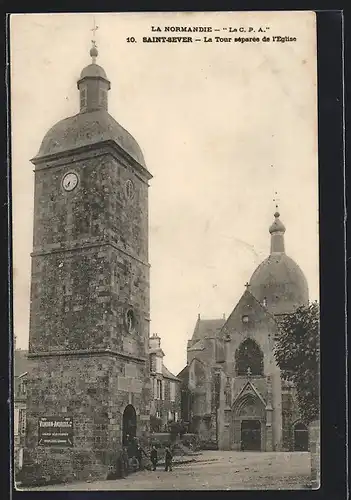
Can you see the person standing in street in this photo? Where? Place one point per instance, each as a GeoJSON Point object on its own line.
{"type": "Point", "coordinates": [139, 456]}
{"type": "Point", "coordinates": [168, 459]}
{"type": "Point", "coordinates": [153, 457]}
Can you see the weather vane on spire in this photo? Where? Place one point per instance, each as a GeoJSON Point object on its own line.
{"type": "Point", "coordinates": [93, 51]}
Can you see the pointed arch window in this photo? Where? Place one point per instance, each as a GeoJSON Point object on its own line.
{"type": "Point", "coordinates": [249, 359]}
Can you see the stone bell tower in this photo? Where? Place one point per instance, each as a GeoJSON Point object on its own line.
{"type": "Point", "coordinates": [89, 387]}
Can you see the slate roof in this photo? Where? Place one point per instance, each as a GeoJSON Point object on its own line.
{"type": "Point", "coordinates": [184, 373]}
{"type": "Point", "coordinates": [167, 374]}
{"type": "Point", "coordinates": [198, 346]}
{"type": "Point", "coordinates": [207, 328]}
{"type": "Point", "coordinates": [85, 129]}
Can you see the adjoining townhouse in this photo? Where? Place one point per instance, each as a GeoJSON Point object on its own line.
{"type": "Point", "coordinates": [165, 403]}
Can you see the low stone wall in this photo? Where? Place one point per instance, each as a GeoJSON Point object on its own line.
{"type": "Point", "coordinates": [314, 440]}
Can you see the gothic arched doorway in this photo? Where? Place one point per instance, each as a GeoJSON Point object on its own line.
{"type": "Point", "coordinates": [300, 437]}
{"type": "Point", "coordinates": [129, 424]}
{"type": "Point", "coordinates": [248, 424]}
{"type": "Point", "coordinates": [250, 435]}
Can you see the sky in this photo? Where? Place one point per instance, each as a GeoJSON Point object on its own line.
{"type": "Point", "coordinates": [226, 129]}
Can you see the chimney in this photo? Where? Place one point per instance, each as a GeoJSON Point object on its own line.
{"type": "Point", "coordinates": [155, 341]}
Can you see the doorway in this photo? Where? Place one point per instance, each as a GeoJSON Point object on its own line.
{"type": "Point", "coordinates": [129, 424]}
{"type": "Point", "coordinates": [250, 435]}
{"type": "Point", "coordinates": [300, 437]}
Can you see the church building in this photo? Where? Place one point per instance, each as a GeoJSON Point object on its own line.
{"type": "Point", "coordinates": [233, 394]}
{"type": "Point", "coordinates": [88, 387]}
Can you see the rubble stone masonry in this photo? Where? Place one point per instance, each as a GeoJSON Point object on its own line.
{"type": "Point", "coordinates": [89, 320]}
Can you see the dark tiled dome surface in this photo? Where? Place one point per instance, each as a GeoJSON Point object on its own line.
{"type": "Point", "coordinates": [93, 70]}
{"type": "Point", "coordinates": [280, 281]}
{"type": "Point", "coordinates": [85, 129]}
{"type": "Point", "coordinates": [207, 328]}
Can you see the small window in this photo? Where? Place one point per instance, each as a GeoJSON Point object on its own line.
{"type": "Point", "coordinates": [83, 98]}
{"type": "Point", "coordinates": [154, 388]}
{"type": "Point", "coordinates": [159, 389]}
{"type": "Point", "coordinates": [245, 319]}
{"type": "Point", "coordinates": [130, 320]}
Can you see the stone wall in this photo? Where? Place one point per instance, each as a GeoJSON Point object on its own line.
{"type": "Point", "coordinates": [88, 355]}
{"type": "Point", "coordinates": [89, 257]}
{"type": "Point", "coordinates": [94, 391]}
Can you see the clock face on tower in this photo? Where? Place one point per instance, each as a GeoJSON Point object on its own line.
{"type": "Point", "coordinates": [69, 181]}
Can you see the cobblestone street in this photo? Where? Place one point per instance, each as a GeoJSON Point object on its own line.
{"type": "Point", "coordinates": [215, 470]}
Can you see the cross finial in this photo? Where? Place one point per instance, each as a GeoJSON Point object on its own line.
{"type": "Point", "coordinates": [247, 285]}
{"type": "Point", "coordinates": [94, 29]}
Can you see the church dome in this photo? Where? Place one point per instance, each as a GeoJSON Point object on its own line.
{"type": "Point", "coordinates": [86, 129]}
{"type": "Point", "coordinates": [93, 71]}
{"type": "Point", "coordinates": [278, 281]}
{"type": "Point", "coordinates": [93, 124]}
